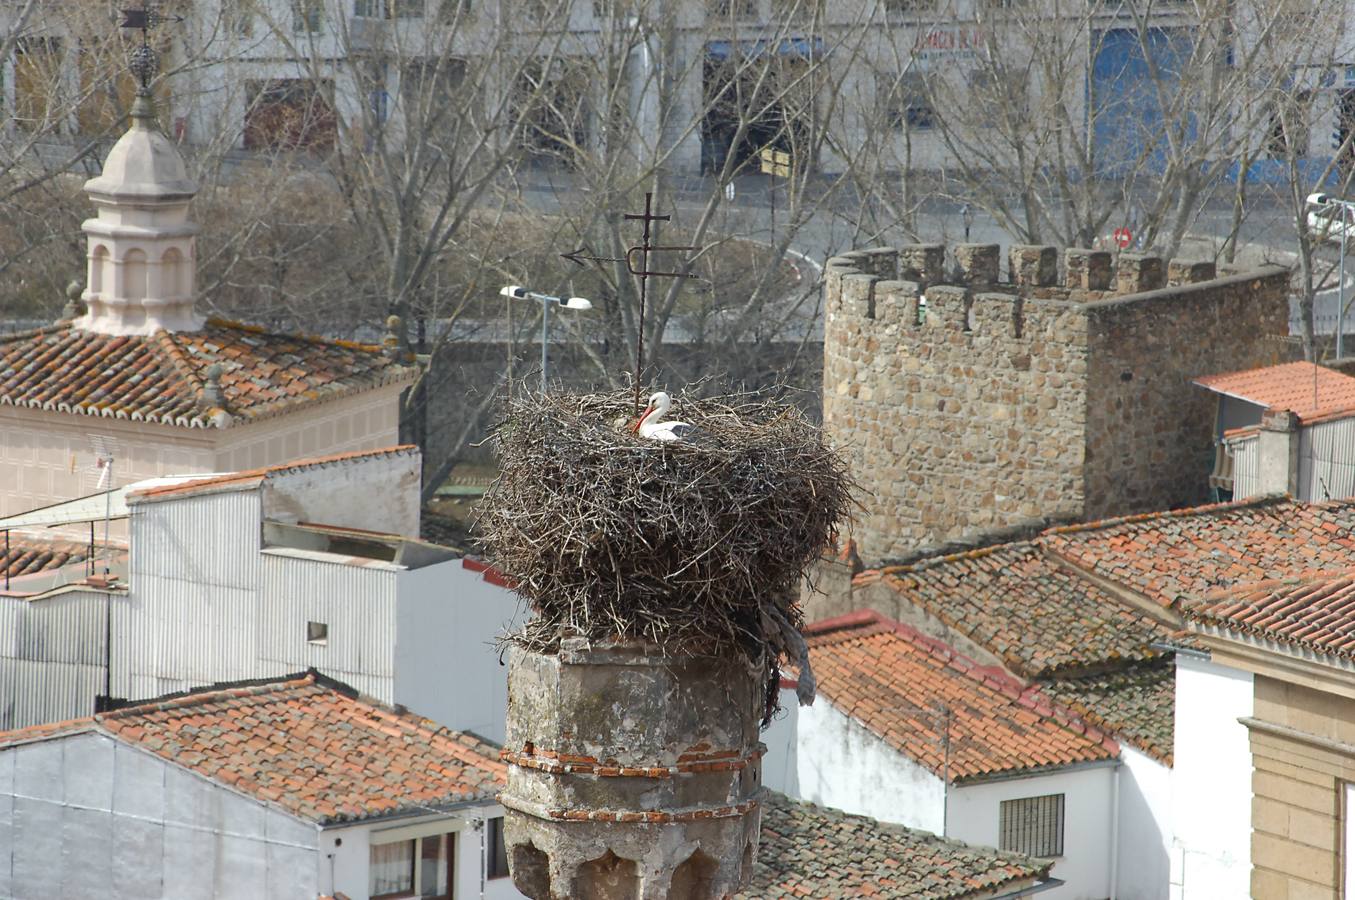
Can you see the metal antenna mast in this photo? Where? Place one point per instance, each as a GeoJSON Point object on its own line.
{"type": "Point", "coordinates": [643, 249]}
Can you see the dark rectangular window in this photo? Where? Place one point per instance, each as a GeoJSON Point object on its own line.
{"type": "Point", "coordinates": [1032, 825]}
{"type": "Point", "coordinates": [498, 850]}
{"type": "Point", "coordinates": [907, 102]}
{"type": "Point", "coordinates": [306, 15]}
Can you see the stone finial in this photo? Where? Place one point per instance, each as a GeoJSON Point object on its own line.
{"type": "Point", "coordinates": [390, 344]}
{"type": "Point", "coordinates": [1033, 265]}
{"type": "Point", "coordinates": [212, 397]}
{"type": "Point", "coordinates": [1089, 270]}
{"type": "Point", "coordinates": [1138, 272]}
{"type": "Point", "coordinates": [923, 263]}
{"type": "Point", "coordinates": [73, 308]}
{"type": "Point", "coordinates": [978, 263]}
{"type": "Point", "coordinates": [1189, 271]}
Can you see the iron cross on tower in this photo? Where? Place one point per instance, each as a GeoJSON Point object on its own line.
{"type": "Point", "coordinates": [145, 62]}
{"type": "Point", "coordinates": [643, 272]}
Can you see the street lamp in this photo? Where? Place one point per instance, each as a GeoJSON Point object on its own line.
{"type": "Point", "coordinates": [518, 292]}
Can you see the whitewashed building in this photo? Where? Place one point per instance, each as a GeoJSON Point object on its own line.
{"type": "Point", "coordinates": [1211, 780]}
{"type": "Point", "coordinates": [908, 730]}
{"type": "Point", "coordinates": [290, 789]}
{"type": "Point", "coordinates": [313, 564]}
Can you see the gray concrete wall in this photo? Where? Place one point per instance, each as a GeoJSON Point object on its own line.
{"type": "Point", "coordinates": [87, 816]}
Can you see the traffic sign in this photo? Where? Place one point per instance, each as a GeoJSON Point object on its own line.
{"type": "Point", "coordinates": [1123, 237]}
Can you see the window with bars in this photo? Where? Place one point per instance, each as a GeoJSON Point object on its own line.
{"type": "Point", "coordinates": [1032, 825]}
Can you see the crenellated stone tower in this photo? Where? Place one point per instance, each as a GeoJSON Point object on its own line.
{"type": "Point", "coordinates": [971, 402]}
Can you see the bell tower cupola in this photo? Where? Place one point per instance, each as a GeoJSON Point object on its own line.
{"type": "Point", "coordinates": [141, 244]}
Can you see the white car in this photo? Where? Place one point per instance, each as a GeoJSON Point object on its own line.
{"type": "Point", "coordinates": [1330, 218]}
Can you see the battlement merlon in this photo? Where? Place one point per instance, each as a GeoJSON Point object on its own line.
{"type": "Point", "coordinates": [888, 283]}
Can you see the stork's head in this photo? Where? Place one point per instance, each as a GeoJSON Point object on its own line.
{"type": "Point", "coordinates": [659, 403]}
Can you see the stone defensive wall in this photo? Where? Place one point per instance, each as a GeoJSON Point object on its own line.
{"type": "Point", "coordinates": [972, 399]}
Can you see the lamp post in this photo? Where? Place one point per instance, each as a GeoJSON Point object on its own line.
{"type": "Point", "coordinates": [518, 292]}
{"type": "Point", "coordinates": [967, 215]}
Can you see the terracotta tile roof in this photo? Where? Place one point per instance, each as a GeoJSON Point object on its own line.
{"type": "Point", "coordinates": [1172, 555]}
{"type": "Point", "coordinates": [1317, 614]}
{"type": "Point", "coordinates": [28, 555]}
{"type": "Point", "coordinates": [305, 743]}
{"type": "Point", "coordinates": [813, 852]}
{"type": "Point", "coordinates": [1036, 616]}
{"type": "Point", "coordinates": [1303, 387]}
{"type": "Point", "coordinates": [1136, 704]}
{"type": "Point", "coordinates": [891, 678]}
{"type": "Point", "coordinates": [161, 378]}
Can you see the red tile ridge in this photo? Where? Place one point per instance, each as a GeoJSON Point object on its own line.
{"type": "Point", "coordinates": [299, 336]}
{"type": "Point", "coordinates": [1208, 508]}
{"type": "Point", "coordinates": [203, 697]}
{"type": "Point", "coordinates": [182, 364]}
{"type": "Point", "coordinates": [1270, 584]}
{"type": "Point", "coordinates": [855, 619]}
{"type": "Point", "coordinates": [873, 576]}
{"type": "Point", "coordinates": [47, 730]}
{"type": "Point", "coordinates": [252, 477]}
{"type": "Point", "coordinates": [488, 573]}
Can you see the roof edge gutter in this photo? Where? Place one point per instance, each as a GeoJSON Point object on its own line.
{"type": "Point", "coordinates": [1048, 883]}
{"type": "Point", "coordinates": [1180, 649]}
{"type": "Point", "coordinates": [409, 813]}
{"type": "Point", "coordinates": [1112, 762]}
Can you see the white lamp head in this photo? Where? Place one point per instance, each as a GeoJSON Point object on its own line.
{"type": "Point", "coordinates": [516, 291]}
{"type": "Point", "coordinates": [578, 303]}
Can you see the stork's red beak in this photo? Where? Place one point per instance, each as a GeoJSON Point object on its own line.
{"type": "Point", "coordinates": [635, 429]}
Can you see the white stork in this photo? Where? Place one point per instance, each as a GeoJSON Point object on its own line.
{"type": "Point", "coordinates": [651, 426]}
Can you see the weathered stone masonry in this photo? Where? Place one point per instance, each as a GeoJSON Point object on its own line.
{"type": "Point", "coordinates": [984, 404]}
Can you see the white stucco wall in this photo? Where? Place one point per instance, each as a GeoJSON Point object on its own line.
{"type": "Point", "coordinates": [973, 816]}
{"type": "Point", "coordinates": [843, 765]}
{"type": "Point", "coordinates": [346, 853]}
{"type": "Point", "coordinates": [374, 493]}
{"type": "Point", "coordinates": [780, 765]}
{"type": "Point", "coordinates": [88, 816]}
{"type": "Point", "coordinates": [365, 421]}
{"type": "Point", "coordinates": [47, 457]}
{"type": "Point", "coordinates": [1211, 782]}
{"type": "Point", "coordinates": [1144, 867]}
{"type": "Point", "coordinates": [447, 668]}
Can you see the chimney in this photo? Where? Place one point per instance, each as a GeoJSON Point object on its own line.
{"type": "Point", "coordinates": [1277, 450]}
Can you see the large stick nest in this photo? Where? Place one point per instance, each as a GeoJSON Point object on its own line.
{"type": "Point", "coordinates": [697, 545]}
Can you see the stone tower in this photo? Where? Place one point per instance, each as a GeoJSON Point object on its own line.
{"type": "Point", "coordinates": [633, 774]}
{"type": "Point", "coordinates": [142, 260]}
{"type": "Point", "coordinates": [969, 402]}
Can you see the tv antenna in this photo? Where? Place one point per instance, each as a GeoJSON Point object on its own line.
{"type": "Point", "coordinates": [106, 452]}
{"type": "Point", "coordinates": [642, 272]}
